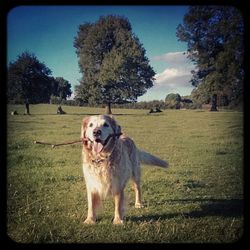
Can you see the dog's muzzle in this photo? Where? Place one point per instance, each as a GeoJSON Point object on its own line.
{"type": "Point", "coordinates": [98, 145]}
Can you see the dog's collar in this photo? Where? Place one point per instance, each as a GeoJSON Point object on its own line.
{"type": "Point", "coordinates": [111, 136]}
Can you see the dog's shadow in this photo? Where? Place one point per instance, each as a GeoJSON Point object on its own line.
{"type": "Point", "coordinates": [212, 207]}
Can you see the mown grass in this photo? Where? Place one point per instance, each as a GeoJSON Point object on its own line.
{"type": "Point", "coordinates": [198, 199]}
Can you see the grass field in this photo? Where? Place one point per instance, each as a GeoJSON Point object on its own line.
{"type": "Point", "coordinates": [198, 199]}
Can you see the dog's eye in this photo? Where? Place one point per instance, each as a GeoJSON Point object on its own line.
{"type": "Point", "coordinates": [106, 125]}
{"type": "Point", "coordinates": [91, 125]}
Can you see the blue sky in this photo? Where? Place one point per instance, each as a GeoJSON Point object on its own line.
{"type": "Point", "coordinates": [49, 31]}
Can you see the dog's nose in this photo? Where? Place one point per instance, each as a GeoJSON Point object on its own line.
{"type": "Point", "coordinates": [97, 132]}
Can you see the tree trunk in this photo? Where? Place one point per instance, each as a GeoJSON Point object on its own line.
{"type": "Point", "coordinates": [27, 108]}
{"type": "Point", "coordinates": [108, 109]}
{"type": "Point", "coordinates": [214, 103]}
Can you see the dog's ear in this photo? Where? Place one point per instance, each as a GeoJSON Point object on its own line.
{"type": "Point", "coordinates": [118, 129]}
{"type": "Point", "coordinates": [115, 126]}
{"type": "Point", "coordinates": [84, 126]}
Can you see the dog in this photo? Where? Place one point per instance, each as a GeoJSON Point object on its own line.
{"type": "Point", "coordinates": [110, 159]}
{"type": "Point", "coordinates": [14, 112]}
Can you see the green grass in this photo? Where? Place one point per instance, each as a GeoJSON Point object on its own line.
{"type": "Point", "coordinates": [198, 199]}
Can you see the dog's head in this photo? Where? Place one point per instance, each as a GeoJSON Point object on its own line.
{"type": "Point", "coordinates": [98, 132]}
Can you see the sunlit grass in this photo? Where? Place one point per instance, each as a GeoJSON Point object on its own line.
{"type": "Point", "coordinates": [198, 199]}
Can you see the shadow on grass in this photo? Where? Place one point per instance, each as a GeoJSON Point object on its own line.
{"type": "Point", "coordinates": [212, 207]}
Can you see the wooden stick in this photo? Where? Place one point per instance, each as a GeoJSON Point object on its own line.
{"type": "Point", "coordinates": [40, 142]}
{"type": "Point", "coordinates": [56, 145]}
{"type": "Point", "coordinates": [66, 143]}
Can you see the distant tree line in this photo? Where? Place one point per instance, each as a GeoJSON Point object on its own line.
{"type": "Point", "coordinates": [172, 101]}
{"type": "Point", "coordinates": [29, 79]}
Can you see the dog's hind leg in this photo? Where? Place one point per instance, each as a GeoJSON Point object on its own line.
{"type": "Point", "coordinates": [137, 187]}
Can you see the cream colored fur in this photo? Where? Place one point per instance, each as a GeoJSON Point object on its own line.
{"type": "Point", "coordinates": [110, 159]}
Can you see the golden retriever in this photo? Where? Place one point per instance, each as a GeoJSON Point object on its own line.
{"type": "Point", "coordinates": [110, 158]}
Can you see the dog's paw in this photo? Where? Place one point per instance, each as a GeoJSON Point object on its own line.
{"type": "Point", "coordinates": [89, 221]}
{"type": "Point", "coordinates": [139, 205]}
{"type": "Point", "coordinates": [117, 221]}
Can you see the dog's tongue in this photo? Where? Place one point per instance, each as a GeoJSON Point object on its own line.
{"type": "Point", "coordinates": [97, 147]}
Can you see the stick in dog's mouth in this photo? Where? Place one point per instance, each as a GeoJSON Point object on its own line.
{"type": "Point", "coordinates": [56, 145]}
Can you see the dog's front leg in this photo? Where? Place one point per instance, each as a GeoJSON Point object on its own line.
{"type": "Point", "coordinates": [119, 208]}
{"type": "Point", "coordinates": [93, 203]}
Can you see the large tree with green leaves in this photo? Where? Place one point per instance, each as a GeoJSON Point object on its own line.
{"type": "Point", "coordinates": [30, 79]}
{"type": "Point", "coordinates": [113, 62]}
{"type": "Point", "coordinates": [214, 36]}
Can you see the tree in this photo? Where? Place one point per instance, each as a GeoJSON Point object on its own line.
{"type": "Point", "coordinates": [173, 101]}
{"type": "Point", "coordinates": [113, 62]}
{"type": "Point", "coordinates": [62, 88]}
{"type": "Point", "coordinates": [28, 79]}
{"type": "Point", "coordinates": [214, 36]}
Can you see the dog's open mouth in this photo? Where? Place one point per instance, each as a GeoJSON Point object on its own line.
{"type": "Point", "coordinates": [98, 146]}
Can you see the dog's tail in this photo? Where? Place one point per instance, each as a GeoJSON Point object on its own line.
{"type": "Point", "coordinates": [149, 159]}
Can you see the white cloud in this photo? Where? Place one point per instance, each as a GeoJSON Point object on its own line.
{"type": "Point", "coordinates": [171, 76]}
{"type": "Point", "coordinates": [175, 78]}
{"type": "Point", "coordinates": [72, 96]}
{"type": "Point", "coordinates": [173, 58]}
{"type": "Point", "coordinates": [178, 74]}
